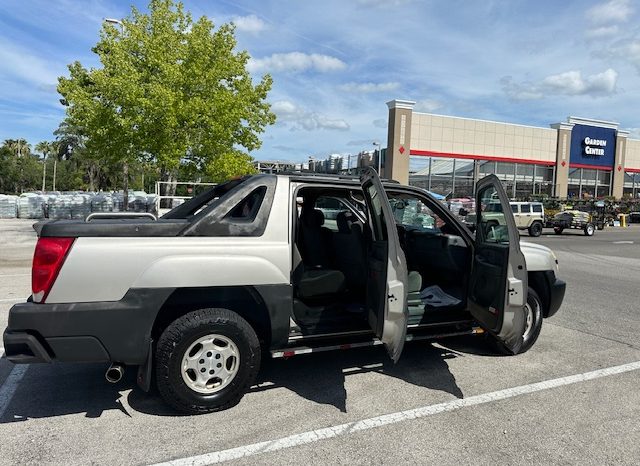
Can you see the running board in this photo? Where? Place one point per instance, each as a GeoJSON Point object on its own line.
{"type": "Point", "coordinates": [290, 352]}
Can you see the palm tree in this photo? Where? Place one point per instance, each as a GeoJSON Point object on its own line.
{"type": "Point", "coordinates": [46, 148]}
{"type": "Point", "coordinates": [19, 147]}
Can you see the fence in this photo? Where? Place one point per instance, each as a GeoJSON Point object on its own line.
{"type": "Point", "coordinates": [188, 189]}
{"type": "Point", "coordinates": [72, 205]}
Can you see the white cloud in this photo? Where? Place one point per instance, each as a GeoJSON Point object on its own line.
{"type": "Point", "coordinates": [568, 83]}
{"type": "Point", "coordinates": [296, 62]}
{"type": "Point", "coordinates": [250, 23]}
{"type": "Point", "coordinates": [602, 32]}
{"type": "Point", "coordinates": [297, 118]}
{"type": "Point", "coordinates": [21, 64]}
{"type": "Point", "coordinates": [380, 123]}
{"type": "Point", "coordinates": [634, 133]}
{"type": "Point", "coordinates": [572, 83]}
{"type": "Point", "coordinates": [628, 50]}
{"type": "Point", "coordinates": [613, 11]}
{"type": "Point", "coordinates": [427, 105]}
{"type": "Point", "coordinates": [368, 88]}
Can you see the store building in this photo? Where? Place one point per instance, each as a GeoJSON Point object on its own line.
{"type": "Point", "coordinates": [580, 158]}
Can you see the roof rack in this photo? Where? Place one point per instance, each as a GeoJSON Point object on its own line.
{"type": "Point", "coordinates": [331, 176]}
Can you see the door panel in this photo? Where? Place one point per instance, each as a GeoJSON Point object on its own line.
{"type": "Point", "coordinates": [387, 284]}
{"type": "Point", "coordinates": [499, 275]}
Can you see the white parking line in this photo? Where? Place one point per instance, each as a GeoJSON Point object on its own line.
{"type": "Point", "coordinates": [8, 388]}
{"type": "Point", "coordinates": [12, 300]}
{"type": "Point", "coordinates": [16, 275]}
{"type": "Point", "coordinates": [393, 418]}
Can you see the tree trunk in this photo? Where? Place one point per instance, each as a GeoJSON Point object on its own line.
{"type": "Point", "coordinates": [91, 171]}
{"type": "Point", "coordinates": [168, 188]}
{"type": "Point", "coordinates": [126, 187]}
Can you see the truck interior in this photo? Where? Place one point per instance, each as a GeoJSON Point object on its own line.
{"type": "Point", "coordinates": [335, 261]}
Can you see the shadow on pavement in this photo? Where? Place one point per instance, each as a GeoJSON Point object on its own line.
{"type": "Point", "coordinates": [49, 390]}
{"type": "Point", "coordinates": [321, 377]}
{"type": "Point", "coordinates": [61, 389]}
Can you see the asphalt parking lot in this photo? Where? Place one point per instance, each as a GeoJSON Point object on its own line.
{"type": "Point", "coordinates": [573, 398]}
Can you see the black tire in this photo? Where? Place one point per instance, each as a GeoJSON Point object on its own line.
{"type": "Point", "coordinates": [176, 340]}
{"type": "Point", "coordinates": [589, 229]}
{"type": "Point", "coordinates": [600, 226]}
{"type": "Point", "coordinates": [558, 230]}
{"type": "Point", "coordinates": [535, 229]}
{"type": "Point", "coordinates": [532, 330]}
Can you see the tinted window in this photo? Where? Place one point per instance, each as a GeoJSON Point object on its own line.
{"type": "Point", "coordinates": [411, 212]}
{"type": "Point", "coordinates": [525, 208]}
{"type": "Point", "coordinates": [514, 208]}
{"type": "Point", "coordinates": [330, 208]}
{"type": "Point", "coordinates": [537, 208]}
{"type": "Point", "coordinates": [492, 225]}
{"type": "Point", "coordinates": [247, 209]}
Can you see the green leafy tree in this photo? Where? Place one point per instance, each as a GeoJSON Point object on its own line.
{"type": "Point", "coordinates": [7, 169]}
{"type": "Point", "coordinates": [170, 91]}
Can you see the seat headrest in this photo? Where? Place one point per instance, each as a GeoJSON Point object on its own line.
{"type": "Point", "coordinates": [312, 218]}
{"type": "Point", "coordinates": [344, 220]}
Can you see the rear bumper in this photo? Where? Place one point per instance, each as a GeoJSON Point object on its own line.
{"type": "Point", "coordinates": [557, 289]}
{"type": "Point", "coordinates": [117, 331]}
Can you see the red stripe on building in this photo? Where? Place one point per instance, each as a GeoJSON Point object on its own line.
{"type": "Point", "coordinates": [592, 167]}
{"type": "Point", "coordinates": [632, 170]}
{"type": "Point", "coordinates": [429, 153]}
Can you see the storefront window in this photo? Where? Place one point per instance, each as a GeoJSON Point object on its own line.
{"type": "Point", "coordinates": [456, 178]}
{"type": "Point", "coordinates": [588, 183]}
{"type": "Point", "coordinates": [543, 180]}
{"type": "Point", "coordinates": [631, 186]}
{"type": "Point", "coordinates": [486, 167]}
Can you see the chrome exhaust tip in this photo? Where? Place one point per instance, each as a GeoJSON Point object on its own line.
{"type": "Point", "coordinates": [114, 373]}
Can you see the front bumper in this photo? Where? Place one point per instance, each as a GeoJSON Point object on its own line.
{"type": "Point", "coordinates": [118, 331]}
{"type": "Point", "coordinates": [557, 289]}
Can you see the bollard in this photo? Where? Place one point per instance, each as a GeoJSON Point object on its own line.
{"type": "Point", "coordinates": [623, 220]}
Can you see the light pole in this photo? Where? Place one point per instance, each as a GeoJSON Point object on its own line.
{"type": "Point", "coordinates": [114, 21]}
{"type": "Point", "coordinates": [126, 162]}
{"type": "Point", "coordinates": [379, 156]}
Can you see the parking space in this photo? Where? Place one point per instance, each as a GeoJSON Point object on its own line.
{"type": "Point", "coordinates": [69, 414]}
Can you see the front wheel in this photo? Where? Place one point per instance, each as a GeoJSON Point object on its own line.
{"type": "Point", "coordinates": [533, 325]}
{"type": "Point", "coordinates": [206, 360]}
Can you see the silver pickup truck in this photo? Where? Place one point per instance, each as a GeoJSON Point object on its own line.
{"type": "Point", "coordinates": [252, 269]}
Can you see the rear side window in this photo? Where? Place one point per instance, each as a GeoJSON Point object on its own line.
{"type": "Point", "coordinates": [525, 208]}
{"type": "Point", "coordinates": [248, 208]}
{"type": "Point", "coordinates": [537, 208]}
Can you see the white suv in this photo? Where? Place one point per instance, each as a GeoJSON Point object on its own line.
{"type": "Point", "coordinates": [529, 216]}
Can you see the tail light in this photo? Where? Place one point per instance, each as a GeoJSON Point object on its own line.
{"type": "Point", "coordinates": [47, 260]}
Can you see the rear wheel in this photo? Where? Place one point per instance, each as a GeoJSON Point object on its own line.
{"type": "Point", "coordinates": [535, 229]}
{"type": "Point", "coordinates": [589, 229]}
{"type": "Point", "coordinates": [206, 360]}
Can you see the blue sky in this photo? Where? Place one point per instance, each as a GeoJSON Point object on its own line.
{"type": "Point", "coordinates": [335, 63]}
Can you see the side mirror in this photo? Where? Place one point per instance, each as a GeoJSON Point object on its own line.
{"type": "Point", "coordinates": [399, 205]}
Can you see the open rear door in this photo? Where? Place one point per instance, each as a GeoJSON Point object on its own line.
{"type": "Point", "coordinates": [498, 285]}
{"type": "Point", "coordinates": [387, 281]}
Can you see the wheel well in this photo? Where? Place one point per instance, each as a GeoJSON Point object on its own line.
{"type": "Point", "coordinates": [538, 281]}
{"type": "Point", "coordinates": [243, 300]}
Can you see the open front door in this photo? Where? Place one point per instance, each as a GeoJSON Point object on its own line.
{"type": "Point", "coordinates": [387, 281]}
{"type": "Point", "coordinates": [498, 285]}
